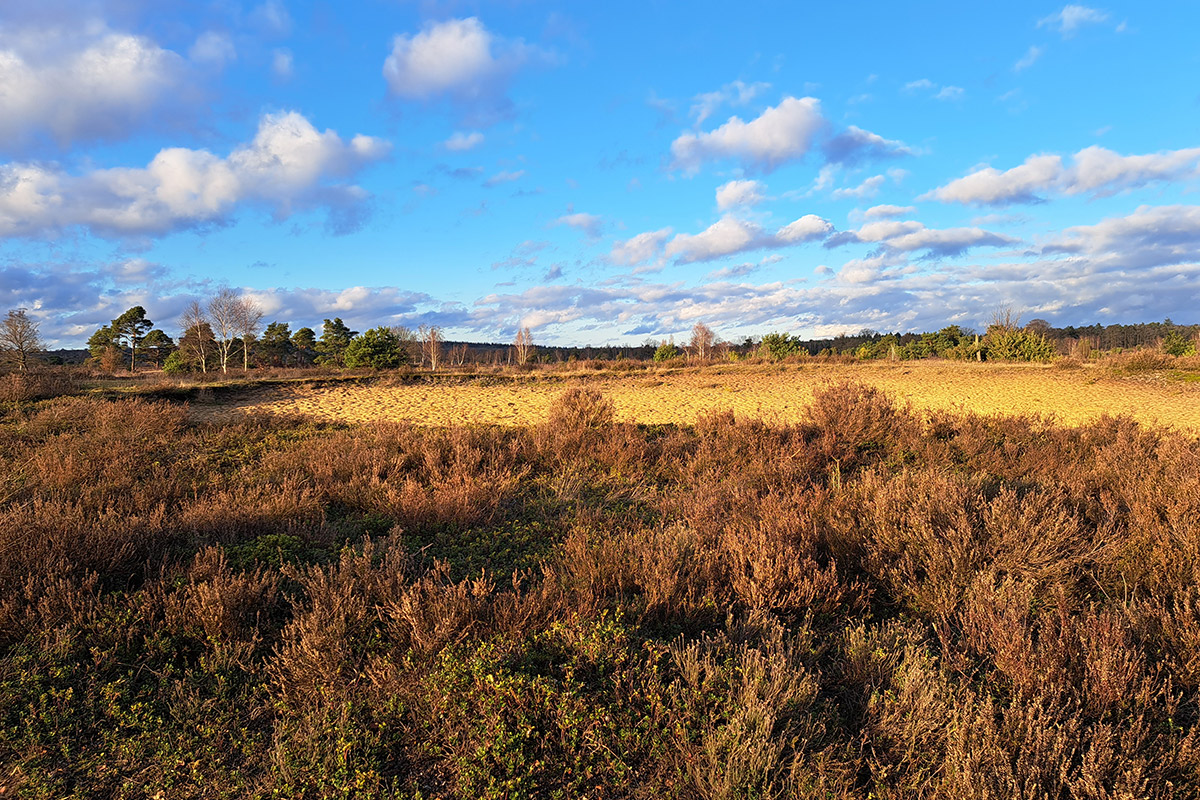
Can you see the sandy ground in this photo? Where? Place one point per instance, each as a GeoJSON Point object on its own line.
{"type": "Point", "coordinates": [771, 392]}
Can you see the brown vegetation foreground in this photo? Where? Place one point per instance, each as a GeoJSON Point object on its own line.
{"type": "Point", "coordinates": [863, 603]}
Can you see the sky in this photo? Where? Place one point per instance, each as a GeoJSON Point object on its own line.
{"type": "Point", "coordinates": [603, 173]}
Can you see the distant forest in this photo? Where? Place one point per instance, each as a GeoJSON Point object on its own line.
{"type": "Point", "coordinates": [277, 345]}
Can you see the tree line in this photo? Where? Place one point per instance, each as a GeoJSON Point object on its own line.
{"type": "Point", "coordinates": [228, 331]}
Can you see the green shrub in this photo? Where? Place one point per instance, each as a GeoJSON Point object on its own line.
{"type": "Point", "coordinates": [667, 351]}
{"type": "Point", "coordinates": [378, 348]}
{"type": "Point", "coordinates": [1176, 344]}
{"type": "Point", "coordinates": [778, 346]}
{"type": "Point", "coordinates": [1016, 344]}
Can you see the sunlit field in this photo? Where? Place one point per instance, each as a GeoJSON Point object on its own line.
{"type": "Point", "coordinates": [759, 581]}
{"type": "Point", "coordinates": [778, 393]}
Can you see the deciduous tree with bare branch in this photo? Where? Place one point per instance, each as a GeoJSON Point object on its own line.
{"type": "Point", "coordinates": [523, 346]}
{"type": "Point", "coordinates": [431, 345]}
{"type": "Point", "coordinates": [225, 317]}
{"type": "Point", "coordinates": [250, 316]}
{"type": "Point", "coordinates": [197, 340]}
{"type": "Point", "coordinates": [20, 341]}
{"type": "Point", "coordinates": [703, 338]}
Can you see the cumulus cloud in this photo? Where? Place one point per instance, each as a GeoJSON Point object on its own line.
{"type": "Point", "coordinates": [725, 236]}
{"type": "Point", "coordinates": [84, 84]}
{"type": "Point", "coordinates": [1096, 171]}
{"type": "Point", "coordinates": [781, 133]}
{"type": "Point", "coordinates": [906, 236]}
{"type": "Point", "coordinates": [639, 249]}
{"type": "Point", "coordinates": [868, 188]}
{"type": "Point", "coordinates": [590, 224]}
{"type": "Point", "coordinates": [458, 58]}
{"type": "Point", "coordinates": [808, 228]}
{"type": "Point", "coordinates": [289, 166]}
{"type": "Point", "coordinates": [1072, 18]}
{"type": "Point", "coordinates": [730, 235]}
{"type": "Point", "coordinates": [737, 93]}
{"type": "Point", "coordinates": [888, 211]}
{"type": "Point", "coordinates": [855, 145]}
{"type": "Point", "coordinates": [460, 142]}
{"type": "Point", "coordinates": [739, 193]}
{"type": "Point", "coordinates": [1152, 236]}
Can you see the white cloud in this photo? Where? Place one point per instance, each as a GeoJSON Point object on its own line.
{"type": "Point", "coordinates": [282, 64]}
{"type": "Point", "coordinates": [1096, 170]}
{"type": "Point", "coordinates": [214, 49]}
{"type": "Point", "coordinates": [590, 224]}
{"type": "Point", "coordinates": [1027, 60]}
{"type": "Point", "coordinates": [855, 145]}
{"type": "Point", "coordinates": [950, 93]}
{"type": "Point", "coordinates": [737, 93]}
{"type": "Point", "coordinates": [730, 235]}
{"type": "Point", "coordinates": [739, 193]}
{"type": "Point", "coordinates": [808, 228]}
{"type": "Point", "coordinates": [639, 249]}
{"type": "Point", "coordinates": [919, 85]}
{"type": "Point", "coordinates": [781, 133]}
{"type": "Point", "coordinates": [458, 57]}
{"type": "Point", "coordinates": [504, 176]}
{"type": "Point", "coordinates": [289, 166]}
{"type": "Point", "coordinates": [906, 236]}
{"type": "Point", "coordinates": [725, 236]}
{"type": "Point", "coordinates": [459, 141]}
{"type": "Point", "coordinates": [1072, 18]}
{"type": "Point", "coordinates": [868, 188]}
{"type": "Point", "coordinates": [1151, 236]}
{"type": "Point", "coordinates": [888, 211]}
{"type": "Point", "coordinates": [88, 83]}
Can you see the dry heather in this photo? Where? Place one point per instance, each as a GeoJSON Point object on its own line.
{"type": "Point", "coordinates": [866, 602]}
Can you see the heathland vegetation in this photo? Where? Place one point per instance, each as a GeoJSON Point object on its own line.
{"type": "Point", "coordinates": [867, 600]}
{"type": "Point", "coordinates": [868, 603]}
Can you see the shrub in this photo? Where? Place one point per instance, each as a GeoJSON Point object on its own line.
{"type": "Point", "coordinates": [667, 351]}
{"type": "Point", "coordinates": [1177, 344]}
{"type": "Point", "coordinates": [378, 348]}
{"type": "Point", "coordinates": [778, 346]}
{"type": "Point", "coordinates": [1017, 344]}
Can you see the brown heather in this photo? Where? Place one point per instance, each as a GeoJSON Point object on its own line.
{"type": "Point", "coordinates": [871, 603]}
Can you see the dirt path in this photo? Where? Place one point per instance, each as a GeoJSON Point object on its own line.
{"type": "Point", "coordinates": [772, 392]}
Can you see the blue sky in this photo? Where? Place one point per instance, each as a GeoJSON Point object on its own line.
{"type": "Point", "coordinates": [602, 173]}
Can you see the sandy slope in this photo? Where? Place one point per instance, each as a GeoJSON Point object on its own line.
{"type": "Point", "coordinates": [773, 392]}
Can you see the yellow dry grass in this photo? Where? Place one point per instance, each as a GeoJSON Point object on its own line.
{"type": "Point", "coordinates": [772, 392]}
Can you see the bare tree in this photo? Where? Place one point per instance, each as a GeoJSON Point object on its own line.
{"type": "Point", "coordinates": [198, 345]}
{"type": "Point", "coordinates": [1005, 318]}
{"type": "Point", "coordinates": [225, 314]}
{"type": "Point", "coordinates": [409, 341]}
{"type": "Point", "coordinates": [701, 345]}
{"type": "Point", "coordinates": [431, 345]}
{"type": "Point", "coordinates": [523, 345]}
{"type": "Point", "coordinates": [457, 355]}
{"type": "Point", "coordinates": [19, 338]}
{"type": "Point", "coordinates": [249, 320]}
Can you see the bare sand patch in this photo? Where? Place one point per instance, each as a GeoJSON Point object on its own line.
{"type": "Point", "coordinates": [772, 392]}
